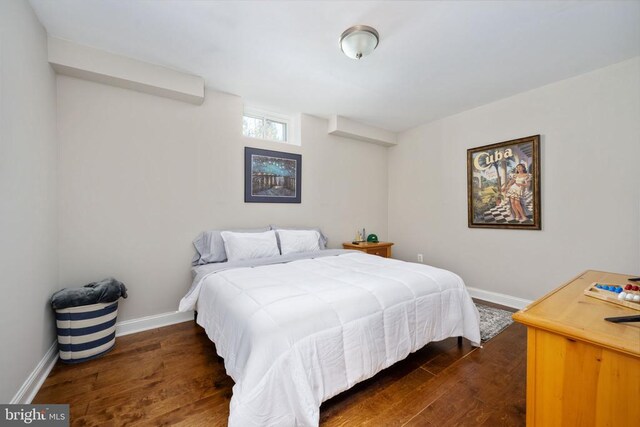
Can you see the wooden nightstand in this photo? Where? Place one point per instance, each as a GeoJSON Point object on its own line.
{"type": "Point", "coordinates": [382, 249]}
{"type": "Point", "coordinates": [581, 370]}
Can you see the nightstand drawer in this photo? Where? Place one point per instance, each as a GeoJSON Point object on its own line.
{"type": "Point", "coordinates": [382, 249]}
{"type": "Point", "coordinates": [379, 251]}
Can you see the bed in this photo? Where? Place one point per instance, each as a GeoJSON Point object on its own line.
{"type": "Point", "coordinates": [295, 330]}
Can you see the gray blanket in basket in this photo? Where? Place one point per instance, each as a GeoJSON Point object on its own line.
{"type": "Point", "coordinates": [107, 290]}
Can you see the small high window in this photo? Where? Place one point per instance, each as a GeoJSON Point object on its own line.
{"type": "Point", "coordinates": [267, 125]}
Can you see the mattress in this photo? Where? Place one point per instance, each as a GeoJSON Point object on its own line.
{"type": "Point", "coordinates": [293, 334]}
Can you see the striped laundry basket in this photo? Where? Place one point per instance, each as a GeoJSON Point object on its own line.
{"type": "Point", "coordinates": [87, 331]}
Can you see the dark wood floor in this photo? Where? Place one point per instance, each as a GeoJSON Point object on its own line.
{"type": "Point", "coordinates": [172, 376]}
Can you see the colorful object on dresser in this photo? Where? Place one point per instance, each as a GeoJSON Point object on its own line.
{"type": "Point", "coordinates": [615, 288]}
{"type": "Point", "coordinates": [627, 295]}
{"type": "Point", "coordinates": [630, 293]}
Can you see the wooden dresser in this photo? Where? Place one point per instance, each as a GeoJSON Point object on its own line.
{"type": "Point", "coordinates": [581, 369]}
{"type": "Point", "coordinates": [382, 249]}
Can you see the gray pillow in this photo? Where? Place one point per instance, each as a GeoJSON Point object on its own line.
{"type": "Point", "coordinates": [210, 246]}
{"type": "Point", "coordinates": [322, 241]}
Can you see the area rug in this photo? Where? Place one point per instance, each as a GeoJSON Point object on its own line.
{"type": "Point", "coordinates": [492, 321]}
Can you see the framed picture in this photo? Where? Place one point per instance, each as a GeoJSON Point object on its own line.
{"type": "Point", "coordinates": [503, 184]}
{"type": "Point", "coordinates": [272, 176]}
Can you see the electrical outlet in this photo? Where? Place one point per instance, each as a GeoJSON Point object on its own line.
{"type": "Point", "coordinates": [420, 258]}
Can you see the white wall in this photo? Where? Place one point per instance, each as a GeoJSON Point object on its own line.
{"type": "Point", "coordinates": [590, 128]}
{"type": "Point", "coordinates": [141, 175]}
{"type": "Point", "coordinates": [28, 201]}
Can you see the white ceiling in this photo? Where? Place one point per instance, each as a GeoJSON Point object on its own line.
{"type": "Point", "coordinates": [434, 59]}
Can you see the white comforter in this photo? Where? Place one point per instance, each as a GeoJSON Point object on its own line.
{"type": "Point", "coordinates": [293, 335]}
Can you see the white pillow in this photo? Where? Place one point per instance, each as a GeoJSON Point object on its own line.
{"type": "Point", "coordinates": [239, 246]}
{"type": "Point", "coordinates": [292, 241]}
{"type": "Point", "coordinates": [322, 241]}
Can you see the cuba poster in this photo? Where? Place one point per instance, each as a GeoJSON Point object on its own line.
{"type": "Point", "coordinates": [503, 184]}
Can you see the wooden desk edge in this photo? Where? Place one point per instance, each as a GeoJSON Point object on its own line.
{"type": "Point", "coordinates": [525, 318]}
{"type": "Point", "coordinates": [548, 294]}
{"type": "Point", "coordinates": [570, 332]}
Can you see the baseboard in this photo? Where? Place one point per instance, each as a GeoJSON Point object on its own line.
{"type": "Point", "coordinates": [498, 298]}
{"type": "Point", "coordinates": [33, 383]}
{"type": "Point", "coordinates": [151, 322]}
{"type": "Point", "coordinates": [35, 380]}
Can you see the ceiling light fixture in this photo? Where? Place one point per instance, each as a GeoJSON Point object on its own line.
{"type": "Point", "coordinates": [359, 41]}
